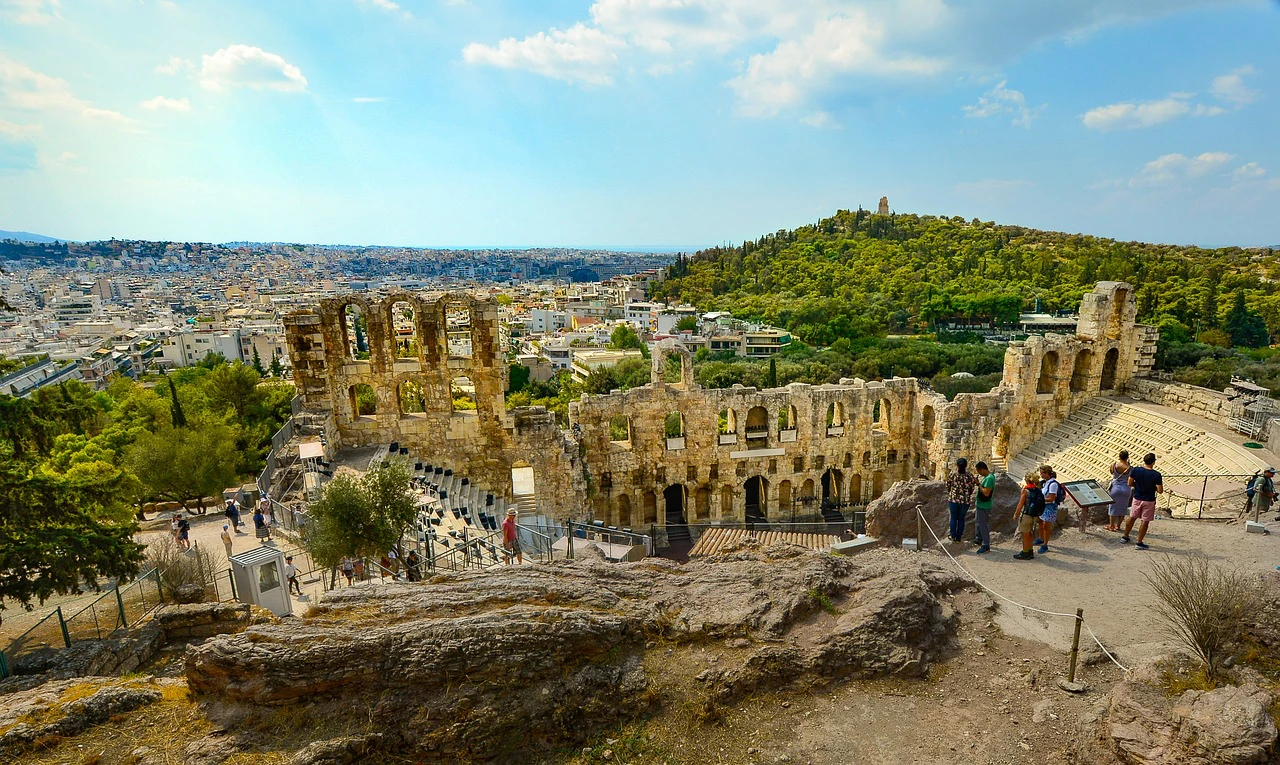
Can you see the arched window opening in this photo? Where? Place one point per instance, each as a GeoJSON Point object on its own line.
{"type": "Point", "coordinates": [673, 425]}
{"type": "Point", "coordinates": [726, 502]}
{"type": "Point", "coordinates": [927, 423]}
{"type": "Point", "coordinates": [784, 497]}
{"type": "Point", "coordinates": [848, 460]}
{"type": "Point", "coordinates": [787, 421]}
{"type": "Point", "coordinates": [1048, 372]}
{"type": "Point", "coordinates": [364, 402]}
{"type": "Point", "coordinates": [728, 426]}
{"type": "Point", "coordinates": [855, 489]}
{"type": "Point", "coordinates": [413, 397]}
{"type": "Point", "coordinates": [355, 332]}
{"type": "Point", "coordinates": [620, 429]}
{"type": "Point", "coordinates": [404, 330]}
{"type": "Point", "coordinates": [757, 424]}
{"type": "Point", "coordinates": [1109, 364]}
{"type": "Point", "coordinates": [457, 319]}
{"type": "Point", "coordinates": [880, 415]}
{"type": "Point", "coordinates": [463, 395]}
{"type": "Point", "coordinates": [835, 419]}
{"type": "Point", "coordinates": [1083, 368]}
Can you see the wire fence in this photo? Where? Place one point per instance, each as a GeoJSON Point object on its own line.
{"type": "Point", "coordinates": [118, 608]}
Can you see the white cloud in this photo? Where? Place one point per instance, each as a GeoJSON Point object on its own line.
{"type": "Point", "coordinates": [174, 65]}
{"type": "Point", "coordinates": [368, 100]}
{"type": "Point", "coordinates": [579, 54]}
{"type": "Point", "coordinates": [1129, 115]}
{"type": "Point", "coordinates": [1231, 88]}
{"type": "Point", "coordinates": [246, 66]}
{"type": "Point", "coordinates": [1248, 171]}
{"type": "Point", "coordinates": [1174, 168]}
{"type": "Point", "coordinates": [795, 54]}
{"type": "Point", "coordinates": [168, 104]}
{"type": "Point", "coordinates": [820, 120]}
{"type": "Point", "coordinates": [385, 5]}
{"type": "Point", "coordinates": [842, 46]}
{"type": "Point", "coordinates": [1003, 100]}
{"type": "Point", "coordinates": [30, 11]}
{"type": "Point", "coordinates": [24, 88]}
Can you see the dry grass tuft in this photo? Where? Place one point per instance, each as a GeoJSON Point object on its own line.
{"type": "Point", "coordinates": [1204, 606]}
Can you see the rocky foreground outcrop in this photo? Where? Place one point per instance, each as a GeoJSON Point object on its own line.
{"type": "Point", "coordinates": [892, 516]}
{"type": "Point", "coordinates": [1139, 723]}
{"type": "Point", "coordinates": [478, 666]}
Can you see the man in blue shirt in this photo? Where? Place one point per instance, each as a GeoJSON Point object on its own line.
{"type": "Point", "coordinates": [1146, 483]}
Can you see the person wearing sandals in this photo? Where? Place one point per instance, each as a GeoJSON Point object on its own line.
{"type": "Point", "coordinates": [1121, 492]}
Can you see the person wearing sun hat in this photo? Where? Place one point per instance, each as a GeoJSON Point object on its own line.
{"type": "Point", "coordinates": [1264, 492]}
{"type": "Point", "coordinates": [510, 539]}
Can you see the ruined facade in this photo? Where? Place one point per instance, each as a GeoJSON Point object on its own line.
{"type": "Point", "coordinates": [672, 452]}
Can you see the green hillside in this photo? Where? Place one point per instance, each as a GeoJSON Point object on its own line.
{"type": "Point", "coordinates": [856, 275]}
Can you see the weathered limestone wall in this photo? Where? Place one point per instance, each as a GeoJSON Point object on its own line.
{"type": "Point", "coordinates": [1202, 402]}
{"type": "Point", "coordinates": [484, 443]}
{"type": "Point", "coordinates": [782, 453]}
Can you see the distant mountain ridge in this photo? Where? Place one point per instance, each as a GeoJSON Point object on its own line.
{"type": "Point", "coordinates": [25, 236]}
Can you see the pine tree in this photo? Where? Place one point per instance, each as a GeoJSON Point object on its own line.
{"type": "Point", "coordinates": [277, 369]}
{"type": "Point", "coordinates": [257, 362]}
{"type": "Point", "coordinates": [179, 417]}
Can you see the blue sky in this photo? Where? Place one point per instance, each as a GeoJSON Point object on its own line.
{"type": "Point", "coordinates": [634, 122]}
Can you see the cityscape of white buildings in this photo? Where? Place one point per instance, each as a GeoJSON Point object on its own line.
{"type": "Point", "coordinates": [95, 310]}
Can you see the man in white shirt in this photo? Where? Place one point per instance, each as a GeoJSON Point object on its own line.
{"type": "Point", "coordinates": [291, 575]}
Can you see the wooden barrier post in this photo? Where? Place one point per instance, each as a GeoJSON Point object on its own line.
{"type": "Point", "coordinates": [919, 528]}
{"type": "Point", "coordinates": [1075, 646]}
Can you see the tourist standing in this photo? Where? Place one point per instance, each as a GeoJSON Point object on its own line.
{"type": "Point", "coordinates": [1052, 491]}
{"type": "Point", "coordinates": [173, 529]}
{"type": "Point", "coordinates": [1146, 483]}
{"type": "Point", "coordinates": [1120, 491]}
{"type": "Point", "coordinates": [511, 539]}
{"type": "Point", "coordinates": [260, 527]}
{"type": "Point", "coordinates": [411, 562]}
{"type": "Point", "coordinates": [233, 514]}
{"type": "Point", "coordinates": [1027, 515]}
{"type": "Point", "coordinates": [184, 534]}
{"type": "Point", "coordinates": [226, 538]}
{"type": "Point", "coordinates": [291, 575]}
{"type": "Point", "coordinates": [960, 487]}
{"type": "Point", "coordinates": [982, 505]}
{"type": "Point", "coordinates": [348, 569]}
{"type": "Point", "coordinates": [1264, 492]}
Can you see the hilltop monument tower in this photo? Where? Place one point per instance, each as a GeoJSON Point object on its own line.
{"type": "Point", "coordinates": [883, 209]}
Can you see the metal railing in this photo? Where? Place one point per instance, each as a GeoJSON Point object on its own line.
{"type": "Point", "coordinates": [118, 608]}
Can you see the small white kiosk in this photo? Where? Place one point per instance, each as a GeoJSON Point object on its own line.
{"type": "Point", "coordinates": [259, 579]}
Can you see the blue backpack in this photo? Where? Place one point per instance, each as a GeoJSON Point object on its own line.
{"type": "Point", "coordinates": [1035, 502]}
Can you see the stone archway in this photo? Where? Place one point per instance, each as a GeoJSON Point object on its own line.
{"type": "Point", "coordinates": [1109, 364]}
{"type": "Point", "coordinates": [673, 498]}
{"type": "Point", "coordinates": [756, 489]}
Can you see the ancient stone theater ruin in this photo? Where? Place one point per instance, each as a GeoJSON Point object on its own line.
{"type": "Point", "coordinates": [673, 452]}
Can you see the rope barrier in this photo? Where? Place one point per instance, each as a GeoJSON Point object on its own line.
{"type": "Point", "coordinates": [1007, 599]}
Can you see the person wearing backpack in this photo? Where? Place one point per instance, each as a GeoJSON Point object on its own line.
{"type": "Point", "coordinates": [1051, 490]}
{"type": "Point", "coordinates": [1262, 492]}
{"type": "Point", "coordinates": [1027, 515]}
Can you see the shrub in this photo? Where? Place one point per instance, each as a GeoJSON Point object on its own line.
{"type": "Point", "coordinates": [1204, 606]}
{"type": "Point", "coordinates": [178, 567]}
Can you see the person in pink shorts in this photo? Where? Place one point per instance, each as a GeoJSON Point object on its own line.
{"type": "Point", "coordinates": [1146, 483]}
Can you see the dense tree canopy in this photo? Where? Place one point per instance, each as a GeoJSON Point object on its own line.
{"type": "Point", "coordinates": [856, 274]}
{"type": "Point", "coordinates": [361, 516]}
{"type": "Point", "coordinates": [74, 464]}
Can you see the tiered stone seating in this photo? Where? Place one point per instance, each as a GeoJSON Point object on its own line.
{"type": "Point", "coordinates": [1086, 444]}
